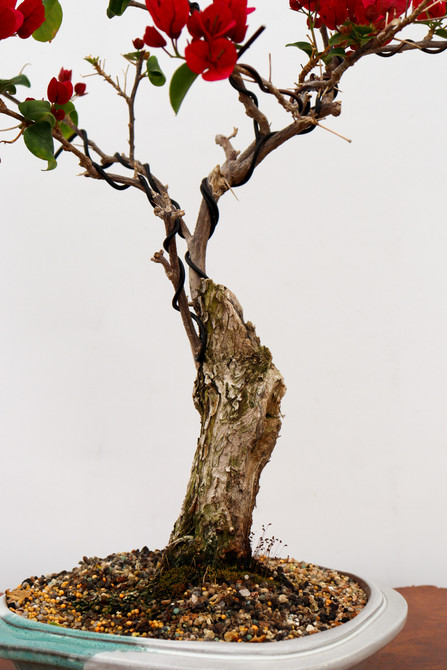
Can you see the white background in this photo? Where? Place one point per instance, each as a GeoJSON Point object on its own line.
{"type": "Point", "coordinates": [337, 253]}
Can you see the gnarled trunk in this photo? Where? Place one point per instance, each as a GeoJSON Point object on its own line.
{"type": "Point", "coordinates": [237, 392]}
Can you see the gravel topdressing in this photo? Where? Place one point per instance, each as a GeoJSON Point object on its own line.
{"type": "Point", "coordinates": [276, 599]}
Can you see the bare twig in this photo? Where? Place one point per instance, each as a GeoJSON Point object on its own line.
{"type": "Point", "coordinates": [140, 5]}
{"type": "Point", "coordinates": [9, 112]}
{"type": "Point", "coordinates": [131, 105]}
{"type": "Point", "coordinates": [99, 70]}
{"type": "Point", "coordinates": [224, 142]}
{"type": "Point", "coordinates": [159, 257]}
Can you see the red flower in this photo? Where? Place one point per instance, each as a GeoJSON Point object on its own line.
{"type": "Point", "coordinates": [239, 12]}
{"type": "Point", "coordinates": [213, 60]}
{"type": "Point", "coordinates": [33, 16]}
{"type": "Point", "coordinates": [333, 13]}
{"type": "Point", "coordinates": [79, 89]}
{"type": "Point", "coordinates": [59, 92]}
{"type": "Point", "coordinates": [170, 16]}
{"type": "Point", "coordinates": [138, 43]}
{"type": "Point", "coordinates": [10, 18]}
{"type": "Point", "coordinates": [377, 11]}
{"type": "Point", "coordinates": [64, 75]}
{"type": "Point", "coordinates": [436, 12]}
{"type": "Point", "coordinates": [215, 21]}
{"type": "Point", "coordinates": [153, 38]}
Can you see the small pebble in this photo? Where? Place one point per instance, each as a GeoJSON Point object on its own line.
{"type": "Point", "coordinates": [278, 599]}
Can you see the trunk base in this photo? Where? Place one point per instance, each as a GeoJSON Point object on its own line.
{"type": "Point", "coordinates": [237, 393]}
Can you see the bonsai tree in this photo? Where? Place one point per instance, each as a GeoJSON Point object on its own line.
{"type": "Point", "coordinates": [238, 389]}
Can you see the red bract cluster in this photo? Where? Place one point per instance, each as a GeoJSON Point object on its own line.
{"type": "Point", "coordinates": [334, 13]}
{"type": "Point", "coordinates": [215, 31]}
{"type": "Point", "coordinates": [214, 60]}
{"type": "Point", "coordinates": [23, 20]}
{"type": "Point", "coordinates": [59, 92]}
{"type": "Point", "coordinates": [170, 16]}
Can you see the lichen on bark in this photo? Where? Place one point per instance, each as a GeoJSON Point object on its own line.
{"type": "Point", "coordinates": [237, 392]}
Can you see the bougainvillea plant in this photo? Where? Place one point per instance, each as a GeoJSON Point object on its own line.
{"type": "Point", "coordinates": [238, 390]}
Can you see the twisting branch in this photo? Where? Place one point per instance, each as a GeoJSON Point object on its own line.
{"type": "Point", "coordinates": [282, 96]}
{"type": "Point", "coordinates": [249, 100]}
{"type": "Point", "coordinates": [426, 45]}
{"type": "Point", "coordinates": [308, 102]}
{"type": "Point", "coordinates": [174, 268]}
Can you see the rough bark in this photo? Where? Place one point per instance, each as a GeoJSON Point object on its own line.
{"type": "Point", "coordinates": [237, 392]}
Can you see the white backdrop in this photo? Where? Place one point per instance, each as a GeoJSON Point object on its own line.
{"type": "Point", "coordinates": [337, 253]}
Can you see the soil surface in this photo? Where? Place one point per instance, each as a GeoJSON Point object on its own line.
{"type": "Point", "coordinates": [128, 594]}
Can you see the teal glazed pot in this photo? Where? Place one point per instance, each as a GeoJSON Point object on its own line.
{"type": "Point", "coordinates": [28, 645]}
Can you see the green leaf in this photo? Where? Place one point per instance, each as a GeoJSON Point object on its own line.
{"type": "Point", "coordinates": [338, 51]}
{"type": "Point", "coordinates": [70, 109]}
{"type": "Point", "coordinates": [336, 38]}
{"type": "Point", "coordinates": [9, 85]}
{"type": "Point", "coordinates": [65, 129]}
{"type": "Point", "coordinates": [361, 34]}
{"type": "Point", "coordinates": [181, 82]}
{"type": "Point", "coordinates": [39, 141]}
{"type": "Point", "coordinates": [37, 110]}
{"type": "Point", "coordinates": [304, 46]}
{"type": "Point", "coordinates": [52, 23]}
{"type": "Point", "coordinates": [134, 56]}
{"type": "Point", "coordinates": [93, 60]}
{"type": "Point", "coordinates": [117, 7]}
{"type": "Point", "coordinates": [154, 72]}
{"type": "Point", "coordinates": [441, 32]}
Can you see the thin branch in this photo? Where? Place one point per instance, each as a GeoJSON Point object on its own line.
{"type": "Point", "coordinates": [312, 62]}
{"type": "Point", "coordinates": [324, 36]}
{"type": "Point", "coordinates": [140, 5]}
{"type": "Point", "coordinates": [99, 70]}
{"type": "Point", "coordinates": [406, 45]}
{"type": "Point", "coordinates": [131, 105]}
{"type": "Point", "coordinates": [84, 160]}
{"type": "Point", "coordinates": [9, 112]}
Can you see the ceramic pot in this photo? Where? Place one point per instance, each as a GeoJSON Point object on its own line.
{"type": "Point", "coordinates": [28, 645]}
